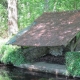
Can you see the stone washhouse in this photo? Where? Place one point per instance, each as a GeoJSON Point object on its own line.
{"type": "Point", "coordinates": [54, 32]}
{"type": "Point", "coordinates": [51, 29]}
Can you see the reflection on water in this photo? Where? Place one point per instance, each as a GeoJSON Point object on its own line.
{"type": "Point", "coordinates": [9, 73]}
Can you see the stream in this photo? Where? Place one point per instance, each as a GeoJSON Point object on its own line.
{"type": "Point", "coordinates": [14, 73]}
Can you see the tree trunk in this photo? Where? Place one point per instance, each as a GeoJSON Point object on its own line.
{"type": "Point", "coordinates": [12, 17]}
{"type": "Point", "coordinates": [46, 6]}
{"type": "Point", "coordinates": [55, 3]}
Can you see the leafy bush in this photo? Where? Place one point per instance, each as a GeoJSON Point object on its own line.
{"type": "Point", "coordinates": [3, 21]}
{"type": "Point", "coordinates": [4, 75]}
{"type": "Point", "coordinates": [11, 54]}
{"type": "Point", "coordinates": [29, 10]}
{"type": "Point", "coordinates": [78, 35]}
{"type": "Point", "coordinates": [73, 63]}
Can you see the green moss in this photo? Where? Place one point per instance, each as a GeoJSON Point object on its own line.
{"type": "Point", "coordinates": [73, 63]}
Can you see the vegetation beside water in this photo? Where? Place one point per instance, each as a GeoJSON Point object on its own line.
{"type": "Point", "coordinates": [28, 11]}
{"type": "Point", "coordinates": [5, 77]}
{"type": "Point", "coordinates": [73, 63]}
{"type": "Point", "coordinates": [11, 54]}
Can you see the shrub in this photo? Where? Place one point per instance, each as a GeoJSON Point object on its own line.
{"type": "Point", "coordinates": [73, 63]}
{"type": "Point", "coordinates": [4, 75]}
{"type": "Point", "coordinates": [11, 54]}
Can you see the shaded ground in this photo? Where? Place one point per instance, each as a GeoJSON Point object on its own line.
{"type": "Point", "coordinates": [51, 59]}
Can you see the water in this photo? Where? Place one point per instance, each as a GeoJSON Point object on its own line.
{"type": "Point", "coordinates": [12, 73]}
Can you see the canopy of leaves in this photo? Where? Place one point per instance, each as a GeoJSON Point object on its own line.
{"type": "Point", "coordinates": [3, 19]}
{"type": "Point", "coordinates": [29, 10]}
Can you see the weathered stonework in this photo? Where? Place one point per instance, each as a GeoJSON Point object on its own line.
{"type": "Point", "coordinates": [56, 50]}
{"type": "Point", "coordinates": [32, 53]}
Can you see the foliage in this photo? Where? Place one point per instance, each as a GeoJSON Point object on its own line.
{"type": "Point", "coordinates": [3, 20]}
{"type": "Point", "coordinates": [4, 75]}
{"type": "Point", "coordinates": [29, 10]}
{"type": "Point", "coordinates": [10, 54]}
{"type": "Point", "coordinates": [73, 63]}
{"type": "Point", "coordinates": [77, 40]}
{"type": "Point", "coordinates": [4, 78]}
{"type": "Point", "coordinates": [78, 36]}
{"type": "Point", "coordinates": [43, 79]}
{"type": "Point", "coordinates": [46, 79]}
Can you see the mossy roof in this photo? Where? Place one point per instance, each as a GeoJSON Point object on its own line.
{"type": "Point", "coordinates": [50, 29]}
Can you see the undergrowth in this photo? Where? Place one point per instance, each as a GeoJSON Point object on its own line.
{"type": "Point", "coordinates": [11, 54]}
{"type": "Point", "coordinates": [73, 63]}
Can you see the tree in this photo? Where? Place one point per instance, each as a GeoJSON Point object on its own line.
{"type": "Point", "coordinates": [46, 8]}
{"type": "Point", "coordinates": [12, 17]}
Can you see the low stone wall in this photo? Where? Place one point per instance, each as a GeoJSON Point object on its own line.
{"type": "Point", "coordinates": [45, 67]}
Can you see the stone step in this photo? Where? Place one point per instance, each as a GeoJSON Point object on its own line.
{"type": "Point", "coordinates": [46, 67]}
